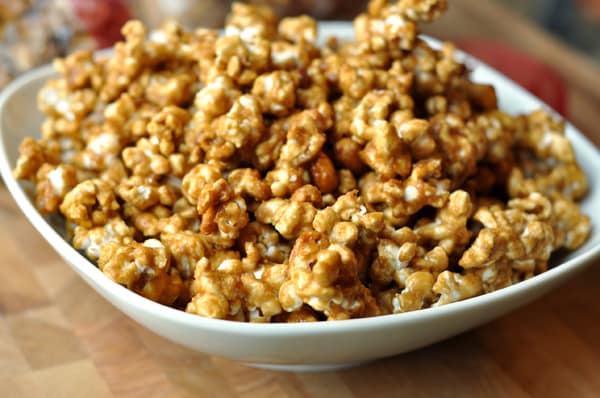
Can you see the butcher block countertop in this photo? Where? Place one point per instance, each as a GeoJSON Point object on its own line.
{"type": "Point", "coordinates": [58, 338]}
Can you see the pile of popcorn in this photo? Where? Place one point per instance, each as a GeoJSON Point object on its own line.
{"type": "Point", "coordinates": [255, 176]}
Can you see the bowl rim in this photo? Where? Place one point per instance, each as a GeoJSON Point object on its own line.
{"type": "Point", "coordinates": [106, 287]}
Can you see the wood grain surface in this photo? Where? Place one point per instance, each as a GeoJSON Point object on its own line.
{"type": "Point", "coordinates": [58, 338]}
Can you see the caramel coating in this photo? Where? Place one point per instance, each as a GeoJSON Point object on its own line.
{"type": "Point", "coordinates": [259, 176]}
{"type": "Point", "coordinates": [143, 267]}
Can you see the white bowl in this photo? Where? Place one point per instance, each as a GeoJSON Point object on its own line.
{"type": "Point", "coordinates": [309, 346]}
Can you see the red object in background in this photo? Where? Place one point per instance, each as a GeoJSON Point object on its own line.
{"type": "Point", "coordinates": [540, 79]}
{"type": "Point", "coordinates": [102, 19]}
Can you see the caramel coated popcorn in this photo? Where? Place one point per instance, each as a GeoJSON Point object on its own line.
{"type": "Point", "coordinates": [255, 176]}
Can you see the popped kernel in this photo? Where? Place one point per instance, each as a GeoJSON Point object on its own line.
{"type": "Point", "coordinates": [143, 267]}
{"type": "Point", "coordinates": [449, 228]}
{"type": "Point", "coordinates": [303, 141]}
{"type": "Point", "coordinates": [248, 183]}
{"type": "Point", "coordinates": [166, 128]}
{"type": "Point", "coordinates": [52, 184]}
{"type": "Point", "coordinates": [418, 292]}
{"type": "Point", "coordinates": [276, 92]}
{"type": "Point", "coordinates": [144, 159]}
{"type": "Point", "coordinates": [299, 28]}
{"type": "Point", "coordinates": [242, 125]}
{"type": "Point", "coordinates": [91, 202]}
{"type": "Point", "coordinates": [32, 155]}
{"type": "Point", "coordinates": [215, 291]}
{"type": "Point", "coordinates": [290, 218]}
{"type": "Point", "coordinates": [187, 248]}
{"type": "Point", "coordinates": [324, 276]}
{"type": "Point", "coordinates": [400, 199]}
{"type": "Point", "coordinates": [284, 182]}
{"type": "Point", "coordinates": [92, 240]}
{"type": "Point", "coordinates": [452, 287]}
{"type": "Point", "coordinates": [217, 96]}
{"type": "Point", "coordinates": [515, 243]}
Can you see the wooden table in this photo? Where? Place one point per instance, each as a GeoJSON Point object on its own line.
{"type": "Point", "coordinates": [58, 338]}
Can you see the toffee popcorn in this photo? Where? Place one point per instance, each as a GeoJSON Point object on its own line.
{"type": "Point", "coordinates": [255, 176]}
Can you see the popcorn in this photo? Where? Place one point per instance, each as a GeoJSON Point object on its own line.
{"type": "Point", "coordinates": [127, 62]}
{"type": "Point", "coordinates": [186, 248]}
{"type": "Point", "coordinates": [458, 147]}
{"type": "Point", "coordinates": [79, 69]}
{"type": "Point", "coordinates": [290, 218]}
{"type": "Point", "coordinates": [142, 267]}
{"type": "Point", "coordinates": [289, 56]}
{"type": "Point", "coordinates": [347, 153]}
{"type": "Point", "coordinates": [32, 155]}
{"type": "Point", "coordinates": [283, 182]}
{"type": "Point", "coordinates": [452, 287]}
{"type": "Point", "coordinates": [276, 92]}
{"type": "Point", "coordinates": [303, 141]}
{"type": "Point", "coordinates": [241, 127]}
{"type": "Point", "coordinates": [417, 293]}
{"type": "Point", "coordinates": [449, 229]}
{"type": "Point", "coordinates": [545, 161]}
{"type": "Point", "coordinates": [324, 276]}
{"type": "Point", "coordinates": [241, 61]}
{"type": "Point", "coordinates": [254, 176]}
{"type": "Point", "coordinates": [516, 241]}
{"type": "Point", "coordinates": [169, 88]}
{"type": "Point", "coordinates": [90, 203]}
{"type": "Point", "coordinates": [251, 22]}
{"type": "Point", "coordinates": [215, 289]}
{"type": "Point", "coordinates": [267, 150]}
{"type": "Point", "coordinates": [92, 240]}
{"type": "Point", "coordinates": [52, 184]}
{"type": "Point", "coordinates": [248, 183]}
{"type": "Point", "coordinates": [385, 153]}
{"type": "Point", "coordinates": [308, 193]}
{"type": "Point", "coordinates": [144, 159]}
{"type": "Point", "coordinates": [400, 199]}
{"type": "Point", "coordinates": [266, 242]}
{"type": "Point", "coordinates": [217, 97]}
{"type": "Point", "coordinates": [55, 99]}
{"type": "Point", "coordinates": [166, 128]}
{"type": "Point", "coordinates": [571, 227]}
{"type": "Point", "coordinates": [138, 192]}
{"type": "Point", "coordinates": [297, 29]}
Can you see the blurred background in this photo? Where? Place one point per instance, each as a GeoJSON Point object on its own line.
{"type": "Point", "coordinates": [35, 31]}
{"type": "Point", "coordinates": [577, 22]}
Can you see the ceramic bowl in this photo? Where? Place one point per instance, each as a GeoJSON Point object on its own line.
{"type": "Point", "coordinates": [308, 346]}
